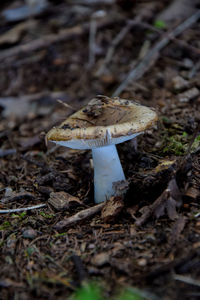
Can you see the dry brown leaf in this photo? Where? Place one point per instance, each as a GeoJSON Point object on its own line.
{"type": "Point", "coordinates": [100, 259]}
{"type": "Point", "coordinates": [166, 203]}
{"type": "Point", "coordinates": [177, 229]}
{"type": "Point", "coordinates": [63, 200]}
{"type": "Point", "coordinates": [112, 209]}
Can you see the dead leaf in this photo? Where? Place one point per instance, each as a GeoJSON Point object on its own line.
{"type": "Point", "coordinates": [132, 210]}
{"type": "Point", "coordinates": [171, 208]}
{"type": "Point", "coordinates": [112, 208]}
{"type": "Point", "coordinates": [177, 229]}
{"type": "Point", "coordinates": [63, 200]}
{"type": "Point", "coordinates": [120, 187]}
{"type": "Point", "coordinates": [165, 203]}
{"type": "Point", "coordinates": [100, 259]}
{"type": "Point", "coordinates": [192, 193]}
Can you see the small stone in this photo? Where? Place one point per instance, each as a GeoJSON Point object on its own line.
{"type": "Point", "coordinates": [142, 262]}
{"type": "Point", "coordinates": [179, 83]}
{"type": "Point", "coordinates": [91, 246]}
{"type": "Point", "coordinates": [29, 233]}
{"type": "Point", "coordinates": [188, 63]}
{"type": "Point", "coordinates": [100, 259]}
{"type": "Point", "coordinates": [8, 192]}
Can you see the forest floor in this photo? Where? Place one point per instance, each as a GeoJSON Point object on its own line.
{"type": "Point", "coordinates": [151, 240]}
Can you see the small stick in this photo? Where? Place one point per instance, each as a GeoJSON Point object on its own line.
{"type": "Point", "coordinates": [186, 279]}
{"type": "Point", "coordinates": [153, 54]}
{"type": "Point", "coordinates": [66, 105]}
{"type": "Point", "coordinates": [150, 209]}
{"type": "Point", "coordinates": [81, 215]}
{"type": "Point", "coordinates": [45, 41]}
{"type": "Point", "coordinates": [92, 36]}
{"type": "Point", "coordinates": [7, 211]}
{"type": "Point", "coordinates": [7, 152]}
{"type": "Point", "coordinates": [115, 42]}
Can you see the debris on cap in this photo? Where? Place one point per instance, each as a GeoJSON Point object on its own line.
{"type": "Point", "coordinates": [117, 116]}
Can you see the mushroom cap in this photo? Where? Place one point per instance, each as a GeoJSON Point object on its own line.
{"type": "Point", "coordinates": [104, 121]}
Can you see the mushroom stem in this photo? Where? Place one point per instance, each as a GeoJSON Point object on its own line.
{"type": "Point", "coordinates": [107, 170]}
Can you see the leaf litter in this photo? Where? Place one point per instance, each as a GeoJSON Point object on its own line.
{"type": "Point", "coordinates": [162, 188]}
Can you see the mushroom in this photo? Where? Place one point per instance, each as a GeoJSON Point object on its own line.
{"type": "Point", "coordinates": [99, 126]}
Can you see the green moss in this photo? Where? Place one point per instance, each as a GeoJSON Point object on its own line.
{"type": "Point", "coordinates": [91, 291]}
{"type": "Point", "coordinates": [60, 234]}
{"type": "Point", "coordinates": [5, 225]}
{"type": "Point", "coordinates": [196, 143]}
{"type": "Point", "coordinates": [20, 216]}
{"type": "Point", "coordinates": [176, 144]}
{"type": "Point", "coordinates": [159, 24]}
{"type": "Point", "coordinates": [47, 216]}
{"type": "Point", "coordinates": [29, 251]}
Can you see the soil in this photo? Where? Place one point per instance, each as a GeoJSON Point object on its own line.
{"type": "Point", "coordinates": [151, 238]}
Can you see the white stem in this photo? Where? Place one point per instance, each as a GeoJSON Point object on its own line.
{"type": "Point", "coordinates": [107, 170]}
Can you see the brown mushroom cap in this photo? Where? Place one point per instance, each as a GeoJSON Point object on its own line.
{"type": "Point", "coordinates": [103, 115]}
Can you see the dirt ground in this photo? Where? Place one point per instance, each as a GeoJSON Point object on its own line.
{"type": "Point", "coordinates": [151, 238]}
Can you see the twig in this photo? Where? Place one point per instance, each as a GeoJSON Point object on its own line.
{"type": "Point", "coordinates": [119, 37]}
{"type": "Point", "coordinates": [7, 152]}
{"type": "Point", "coordinates": [175, 40]}
{"type": "Point", "coordinates": [17, 197]}
{"type": "Point", "coordinates": [115, 42]}
{"type": "Point", "coordinates": [92, 36]}
{"type": "Point", "coordinates": [45, 41]}
{"type": "Point", "coordinates": [149, 211]}
{"type": "Point", "coordinates": [66, 105]}
{"type": "Point", "coordinates": [151, 57]}
{"type": "Point", "coordinates": [81, 215]}
{"type": "Point", "coordinates": [7, 211]}
{"type": "Point", "coordinates": [188, 280]}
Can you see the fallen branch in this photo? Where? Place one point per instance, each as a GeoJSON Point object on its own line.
{"type": "Point", "coordinates": [7, 211]}
{"type": "Point", "coordinates": [92, 35]}
{"type": "Point", "coordinates": [81, 215]}
{"type": "Point", "coordinates": [153, 54]}
{"type": "Point", "coordinates": [46, 41]}
{"type": "Point", "coordinates": [149, 211]}
{"type": "Point", "coordinates": [115, 42]}
{"type": "Point", "coordinates": [186, 279]}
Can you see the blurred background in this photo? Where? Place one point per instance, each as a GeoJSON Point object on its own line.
{"type": "Point", "coordinates": [73, 50]}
